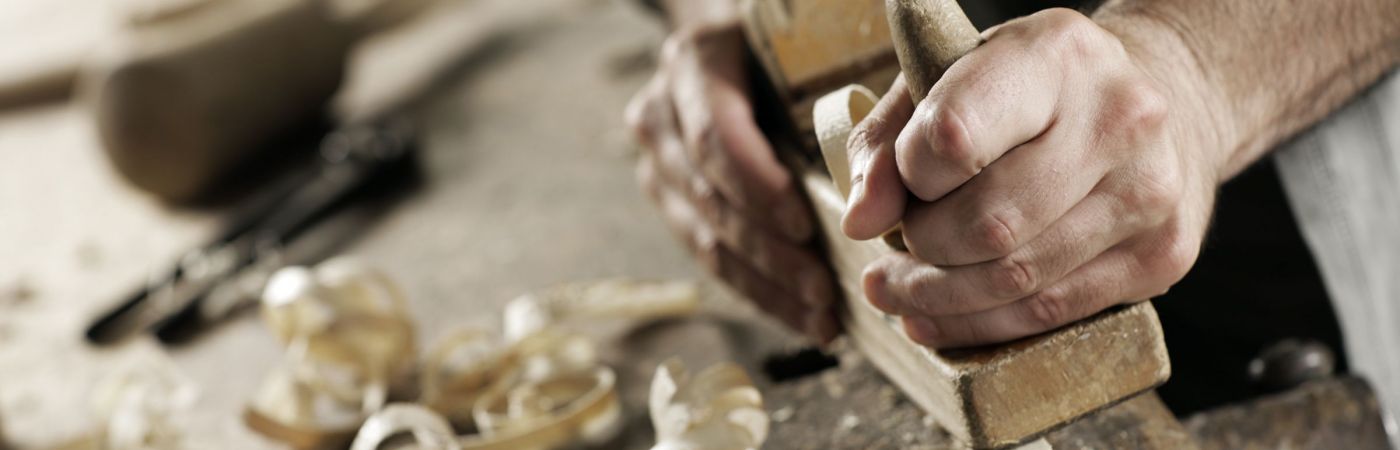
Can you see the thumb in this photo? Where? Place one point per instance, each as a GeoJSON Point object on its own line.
{"type": "Point", "coordinates": [877, 198]}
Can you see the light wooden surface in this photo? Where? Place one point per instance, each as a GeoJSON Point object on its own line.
{"type": "Point", "coordinates": [529, 183]}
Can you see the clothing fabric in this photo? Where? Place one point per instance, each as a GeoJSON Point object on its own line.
{"type": "Point", "coordinates": [1342, 179]}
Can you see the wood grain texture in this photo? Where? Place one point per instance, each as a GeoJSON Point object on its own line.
{"type": "Point", "coordinates": [1002, 395]}
{"type": "Point", "coordinates": [811, 47]}
{"type": "Point", "coordinates": [929, 35]}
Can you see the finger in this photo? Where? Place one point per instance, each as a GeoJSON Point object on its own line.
{"type": "Point", "coordinates": [1113, 278]}
{"type": "Point", "coordinates": [877, 193]}
{"type": "Point", "coordinates": [676, 170]}
{"type": "Point", "coordinates": [653, 117]}
{"type": "Point", "coordinates": [775, 257]}
{"type": "Point", "coordinates": [998, 96]}
{"type": "Point", "coordinates": [644, 111]}
{"type": "Point", "coordinates": [902, 285]}
{"type": "Point", "coordinates": [1008, 205]}
{"type": "Point", "coordinates": [723, 141]}
{"type": "Point", "coordinates": [802, 296]}
{"type": "Point", "coordinates": [797, 267]}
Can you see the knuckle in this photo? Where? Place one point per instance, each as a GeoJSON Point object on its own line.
{"type": "Point", "coordinates": [1171, 257]}
{"type": "Point", "coordinates": [949, 141]}
{"type": "Point", "coordinates": [1072, 33]}
{"type": "Point", "coordinates": [676, 44]}
{"type": "Point", "coordinates": [700, 136]}
{"type": "Point", "coordinates": [1048, 309]}
{"type": "Point", "coordinates": [709, 251]}
{"type": "Point", "coordinates": [866, 137]}
{"type": "Point", "coordinates": [923, 295]}
{"type": "Point", "coordinates": [704, 193]}
{"type": "Point", "coordinates": [1012, 277]}
{"type": "Point", "coordinates": [1137, 109]}
{"type": "Point", "coordinates": [992, 233]}
{"type": "Point", "coordinates": [638, 118]}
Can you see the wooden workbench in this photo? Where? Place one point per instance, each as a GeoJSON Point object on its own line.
{"type": "Point", "coordinates": [528, 183]}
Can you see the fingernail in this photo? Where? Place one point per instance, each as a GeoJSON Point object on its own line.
{"type": "Point", "coordinates": [921, 330]}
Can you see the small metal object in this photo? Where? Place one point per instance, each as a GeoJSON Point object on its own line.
{"type": "Point", "coordinates": [1291, 362]}
{"type": "Point", "coordinates": [210, 282]}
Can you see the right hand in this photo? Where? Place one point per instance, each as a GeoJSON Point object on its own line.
{"type": "Point", "coordinates": [719, 185]}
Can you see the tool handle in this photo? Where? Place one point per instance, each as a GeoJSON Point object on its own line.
{"type": "Point", "coordinates": [929, 35]}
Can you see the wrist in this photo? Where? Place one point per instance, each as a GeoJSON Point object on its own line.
{"type": "Point", "coordinates": [1200, 124]}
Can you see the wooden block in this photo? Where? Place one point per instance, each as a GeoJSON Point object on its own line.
{"type": "Point", "coordinates": [811, 47]}
{"type": "Point", "coordinates": [1003, 395]}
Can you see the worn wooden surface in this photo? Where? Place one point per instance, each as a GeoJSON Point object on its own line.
{"type": "Point", "coordinates": [528, 183]}
{"type": "Point", "coordinates": [514, 153]}
{"type": "Point", "coordinates": [1330, 414]}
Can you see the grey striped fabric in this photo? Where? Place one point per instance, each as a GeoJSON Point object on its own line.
{"type": "Point", "coordinates": [1342, 179]}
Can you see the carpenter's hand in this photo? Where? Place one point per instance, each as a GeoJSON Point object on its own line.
{"type": "Point", "coordinates": [1053, 175]}
{"type": "Point", "coordinates": [719, 185]}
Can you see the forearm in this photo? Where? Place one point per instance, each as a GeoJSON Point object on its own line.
{"type": "Point", "coordinates": [1268, 69]}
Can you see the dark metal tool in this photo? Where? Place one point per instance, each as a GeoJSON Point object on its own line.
{"type": "Point", "coordinates": [209, 282]}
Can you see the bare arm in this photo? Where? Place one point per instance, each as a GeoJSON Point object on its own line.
{"type": "Point", "coordinates": [1070, 163]}
{"type": "Point", "coordinates": [1269, 68]}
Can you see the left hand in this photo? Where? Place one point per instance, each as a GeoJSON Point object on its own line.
{"type": "Point", "coordinates": [1056, 172]}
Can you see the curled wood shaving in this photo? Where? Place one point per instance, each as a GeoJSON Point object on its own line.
{"type": "Point", "coordinates": [347, 333]}
{"type": "Point", "coordinates": [537, 387]}
{"type": "Point", "coordinates": [139, 406]}
{"type": "Point", "coordinates": [428, 430]}
{"type": "Point", "coordinates": [606, 299]}
{"type": "Point", "coordinates": [718, 409]}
